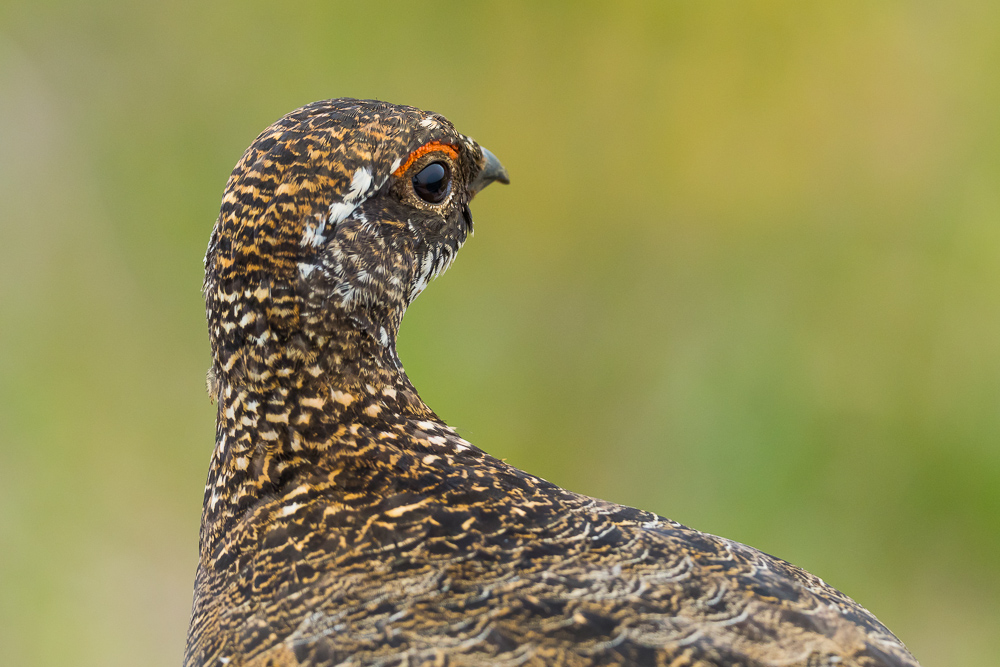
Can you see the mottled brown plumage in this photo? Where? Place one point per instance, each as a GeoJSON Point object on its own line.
{"type": "Point", "coordinates": [346, 524]}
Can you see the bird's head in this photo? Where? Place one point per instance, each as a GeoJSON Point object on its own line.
{"type": "Point", "coordinates": [337, 216]}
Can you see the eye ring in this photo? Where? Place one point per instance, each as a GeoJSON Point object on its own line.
{"type": "Point", "coordinates": [432, 184]}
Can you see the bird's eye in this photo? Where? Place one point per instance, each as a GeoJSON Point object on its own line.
{"type": "Point", "coordinates": [433, 182]}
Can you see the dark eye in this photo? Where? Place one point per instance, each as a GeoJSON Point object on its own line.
{"type": "Point", "coordinates": [431, 183]}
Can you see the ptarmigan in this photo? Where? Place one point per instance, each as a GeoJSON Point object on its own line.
{"type": "Point", "coordinates": [346, 524]}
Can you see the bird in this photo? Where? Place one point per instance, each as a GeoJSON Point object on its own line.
{"type": "Point", "coordinates": [345, 523]}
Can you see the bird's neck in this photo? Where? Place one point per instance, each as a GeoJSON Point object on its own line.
{"type": "Point", "coordinates": [342, 394]}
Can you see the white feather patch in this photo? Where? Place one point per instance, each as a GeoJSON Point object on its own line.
{"type": "Point", "coordinates": [340, 211]}
{"type": "Point", "coordinates": [361, 186]}
{"type": "Point", "coordinates": [314, 234]}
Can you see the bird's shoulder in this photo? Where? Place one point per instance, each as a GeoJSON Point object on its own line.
{"type": "Point", "coordinates": [459, 556]}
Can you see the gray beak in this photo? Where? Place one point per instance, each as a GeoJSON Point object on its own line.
{"type": "Point", "coordinates": [491, 171]}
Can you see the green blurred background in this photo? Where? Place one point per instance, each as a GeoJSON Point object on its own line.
{"type": "Point", "coordinates": [747, 275]}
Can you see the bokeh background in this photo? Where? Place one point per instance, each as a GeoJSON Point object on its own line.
{"type": "Point", "coordinates": [747, 275]}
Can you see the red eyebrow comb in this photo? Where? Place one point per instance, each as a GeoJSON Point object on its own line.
{"type": "Point", "coordinates": [424, 150]}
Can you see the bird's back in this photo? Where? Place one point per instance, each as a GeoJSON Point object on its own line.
{"type": "Point", "coordinates": [460, 559]}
